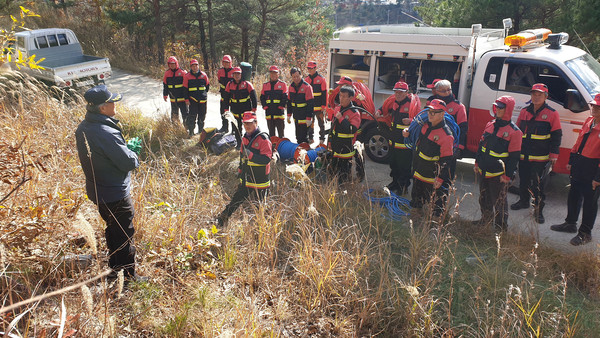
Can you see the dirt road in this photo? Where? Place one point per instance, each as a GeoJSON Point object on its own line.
{"type": "Point", "coordinates": [150, 101]}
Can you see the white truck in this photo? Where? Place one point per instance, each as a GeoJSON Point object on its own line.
{"type": "Point", "coordinates": [482, 64]}
{"type": "Point", "coordinates": [64, 63]}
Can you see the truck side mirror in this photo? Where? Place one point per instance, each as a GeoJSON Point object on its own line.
{"type": "Point", "coordinates": [575, 102]}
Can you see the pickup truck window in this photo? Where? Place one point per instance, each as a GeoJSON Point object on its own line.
{"type": "Point", "coordinates": [522, 74]}
{"type": "Point", "coordinates": [587, 70]}
{"type": "Point", "coordinates": [41, 42]}
{"type": "Point", "coordinates": [52, 41]}
{"type": "Point", "coordinates": [62, 39]}
{"type": "Point", "coordinates": [493, 71]}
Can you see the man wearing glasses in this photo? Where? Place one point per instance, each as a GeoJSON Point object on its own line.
{"type": "Point", "coordinates": [431, 163]}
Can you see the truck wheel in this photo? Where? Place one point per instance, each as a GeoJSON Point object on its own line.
{"type": "Point", "coordinates": [377, 146]}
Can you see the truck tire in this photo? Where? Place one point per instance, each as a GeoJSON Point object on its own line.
{"type": "Point", "coordinates": [377, 146]}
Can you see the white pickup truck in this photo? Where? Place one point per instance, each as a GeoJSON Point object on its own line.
{"type": "Point", "coordinates": [64, 63]}
{"type": "Point", "coordinates": [482, 64]}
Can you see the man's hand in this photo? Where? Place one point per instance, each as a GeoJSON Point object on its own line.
{"type": "Point", "coordinates": [289, 120]}
{"type": "Point", "coordinates": [378, 114]}
{"type": "Point", "coordinates": [553, 160]}
{"type": "Point", "coordinates": [568, 167]}
{"type": "Point", "coordinates": [504, 179]}
{"type": "Point", "coordinates": [595, 185]}
{"type": "Point", "coordinates": [247, 152]}
{"type": "Point", "coordinates": [476, 168]}
{"type": "Point", "coordinates": [405, 133]}
{"type": "Point", "coordinates": [308, 123]}
{"type": "Point", "coordinates": [406, 121]}
{"type": "Point", "coordinates": [437, 184]}
{"type": "Point", "coordinates": [165, 97]}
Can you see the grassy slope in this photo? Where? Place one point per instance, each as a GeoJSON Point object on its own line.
{"type": "Point", "coordinates": [311, 261]}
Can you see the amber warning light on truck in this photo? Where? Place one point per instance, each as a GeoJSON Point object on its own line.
{"type": "Point", "coordinates": [528, 37]}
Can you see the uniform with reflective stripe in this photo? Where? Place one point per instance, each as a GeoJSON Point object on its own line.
{"type": "Point", "coordinates": [240, 97]}
{"type": "Point", "coordinates": [434, 150]}
{"type": "Point", "coordinates": [319, 87]}
{"type": "Point", "coordinates": [197, 86]}
{"type": "Point", "coordinates": [257, 167]}
{"type": "Point", "coordinates": [499, 148]}
{"type": "Point", "coordinates": [542, 133]}
{"type": "Point", "coordinates": [300, 101]}
{"type": "Point", "coordinates": [173, 84]}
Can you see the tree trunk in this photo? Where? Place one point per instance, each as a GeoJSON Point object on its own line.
{"type": "Point", "coordinates": [158, 31]}
{"type": "Point", "coordinates": [211, 33]}
{"type": "Point", "coordinates": [202, 37]}
{"type": "Point", "coordinates": [261, 32]}
{"type": "Point", "coordinates": [244, 48]}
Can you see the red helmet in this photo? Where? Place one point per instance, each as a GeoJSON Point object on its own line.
{"type": "Point", "coordinates": [401, 86]}
{"type": "Point", "coordinates": [432, 85]}
{"type": "Point", "coordinates": [236, 70]}
{"type": "Point", "coordinates": [596, 100]}
{"type": "Point", "coordinates": [249, 116]}
{"type": "Point", "coordinates": [173, 59]}
{"type": "Point", "coordinates": [345, 80]}
{"type": "Point", "coordinates": [194, 62]}
{"type": "Point", "coordinates": [311, 64]}
{"type": "Point", "coordinates": [227, 58]}
{"type": "Point", "coordinates": [274, 69]}
{"type": "Point", "coordinates": [540, 87]}
{"type": "Point", "coordinates": [437, 104]}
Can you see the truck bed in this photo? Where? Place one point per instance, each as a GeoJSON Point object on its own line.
{"type": "Point", "coordinates": [63, 56]}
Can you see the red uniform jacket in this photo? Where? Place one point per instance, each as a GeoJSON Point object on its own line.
{"type": "Point", "coordinates": [173, 84]}
{"type": "Point", "coordinates": [240, 97]}
{"type": "Point", "coordinates": [319, 86]}
{"type": "Point", "coordinates": [343, 132]}
{"type": "Point", "coordinates": [196, 86]}
{"type": "Point", "coordinates": [432, 153]}
{"type": "Point", "coordinates": [273, 98]}
{"type": "Point", "coordinates": [300, 102]}
{"type": "Point", "coordinates": [585, 161]}
{"type": "Point", "coordinates": [542, 133]}
{"type": "Point", "coordinates": [394, 112]}
{"type": "Point", "coordinates": [224, 75]}
{"type": "Point", "coordinates": [257, 166]}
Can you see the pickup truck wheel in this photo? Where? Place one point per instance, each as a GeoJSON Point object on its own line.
{"type": "Point", "coordinates": [377, 146]}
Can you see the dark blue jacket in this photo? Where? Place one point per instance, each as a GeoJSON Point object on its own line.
{"type": "Point", "coordinates": [107, 171]}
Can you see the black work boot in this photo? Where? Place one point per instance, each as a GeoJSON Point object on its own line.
{"type": "Point", "coordinates": [520, 204]}
{"type": "Point", "coordinates": [539, 215]}
{"type": "Point", "coordinates": [565, 227]}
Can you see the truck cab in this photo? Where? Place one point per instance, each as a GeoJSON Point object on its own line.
{"type": "Point", "coordinates": [61, 58]}
{"type": "Point", "coordinates": [479, 63]}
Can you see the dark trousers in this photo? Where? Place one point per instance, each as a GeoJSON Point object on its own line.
{"type": "Point", "coordinates": [530, 175]}
{"type": "Point", "coordinates": [423, 193]}
{"type": "Point", "coordinates": [275, 124]}
{"type": "Point", "coordinates": [241, 194]}
{"type": "Point", "coordinates": [321, 121]}
{"type": "Point", "coordinates": [119, 234]}
{"type": "Point", "coordinates": [582, 194]}
{"type": "Point", "coordinates": [401, 167]}
{"type": "Point", "coordinates": [224, 122]}
{"type": "Point", "coordinates": [177, 107]}
{"type": "Point", "coordinates": [197, 115]}
{"type": "Point", "coordinates": [238, 132]}
{"type": "Point", "coordinates": [301, 132]}
{"type": "Point", "coordinates": [492, 201]}
{"type": "Point", "coordinates": [340, 168]}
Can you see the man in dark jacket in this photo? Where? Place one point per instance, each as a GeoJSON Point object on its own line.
{"type": "Point", "coordinates": [319, 86]}
{"type": "Point", "coordinates": [225, 75]}
{"type": "Point", "coordinates": [107, 162]}
{"type": "Point", "coordinates": [240, 97]}
{"type": "Point", "coordinates": [496, 162]}
{"type": "Point", "coordinates": [255, 166]}
{"type": "Point", "coordinates": [542, 135]}
{"type": "Point", "coordinates": [584, 164]}
{"type": "Point", "coordinates": [173, 89]}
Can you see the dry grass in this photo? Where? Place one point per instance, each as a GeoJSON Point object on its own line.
{"type": "Point", "coordinates": [313, 260]}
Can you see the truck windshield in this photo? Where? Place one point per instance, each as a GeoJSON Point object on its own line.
{"type": "Point", "coordinates": [587, 70]}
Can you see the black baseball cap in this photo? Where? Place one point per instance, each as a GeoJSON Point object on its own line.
{"type": "Point", "coordinates": [100, 94]}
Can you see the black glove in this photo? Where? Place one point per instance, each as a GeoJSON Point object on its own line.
{"type": "Point", "coordinates": [247, 152]}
